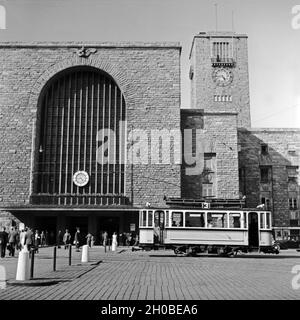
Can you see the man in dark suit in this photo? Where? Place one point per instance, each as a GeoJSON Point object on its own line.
{"type": "Point", "coordinates": [12, 240]}
{"type": "Point", "coordinates": [29, 239]}
{"type": "Point", "coordinates": [3, 241]}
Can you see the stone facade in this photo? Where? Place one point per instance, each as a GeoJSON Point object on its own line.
{"type": "Point", "coordinates": [148, 75]}
{"type": "Point", "coordinates": [203, 86]}
{"type": "Point", "coordinates": [264, 165]}
{"type": "Point", "coordinates": [222, 156]}
{"type": "Point", "coordinates": [216, 138]}
{"type": "Point", "coordinates": [278, 150]}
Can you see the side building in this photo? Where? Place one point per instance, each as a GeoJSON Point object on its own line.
{"type": "Point", "coordinates": [259, 165]}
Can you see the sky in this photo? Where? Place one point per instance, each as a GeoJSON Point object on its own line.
{"type": "Point", "coordinates": [271, 25]}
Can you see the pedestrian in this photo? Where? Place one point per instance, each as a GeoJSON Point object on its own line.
{"type": "Point", "coordinates": [128, 240]}
{"type": "Point", "coordinates": [77, 239]}
{"type": "Point", "coordinates": [3, 241]}
{"type": "Point", "coordinates": [12, 241]}
{"type": "Point", "coordinates": [89, 240]}
{"type": "Point", "coordinates": [114, 242]}
{"type": "Point", "coordinates": [59, 239]}
{"type": "Point", "coordinates": [93, 241]}
{"type": "Point", "coordinates": [23, 238]}
{"type": "Point", "coordinates": [67, 239]}
{"type": "Point", "coordinates": [37, 241]}
{"type": "Point", "coordinates": [43, 239]}
{"type": "Point", "coordinates": [29, 239]}
{"type": "Point", "coordinates": [105, 235]}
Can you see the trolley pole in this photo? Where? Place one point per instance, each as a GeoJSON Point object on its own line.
{"type": "Point", "coordinates": [32, 264]}
{"type": "Point", "coordinates": [70, 254]}
{"type": "Point", "coordinates": [54, 259]}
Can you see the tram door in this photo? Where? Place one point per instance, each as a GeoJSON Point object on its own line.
{"type": "Point", "coordinates": [253, 235]}
{"type": "Point", "coordinates": [159, 227]}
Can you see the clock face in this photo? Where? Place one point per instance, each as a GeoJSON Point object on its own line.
{"type": "Point", "coordinates": [81, 178]}
{"type": "Point", "coordinates": [222, 77]}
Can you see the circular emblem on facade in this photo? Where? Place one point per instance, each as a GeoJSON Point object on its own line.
{"type": "Point", "coordinates": [222, 76]}
{"type": "Point", "coordinates": [81, 178]}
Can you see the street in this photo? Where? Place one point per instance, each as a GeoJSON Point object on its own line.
{"type": "Point", "coordinates": [157, 275]}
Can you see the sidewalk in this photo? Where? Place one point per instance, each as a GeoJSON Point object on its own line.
{"type": "Point", "coordinates": [43, 262]}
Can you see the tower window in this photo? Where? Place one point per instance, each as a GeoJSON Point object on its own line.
{"type": "Point", "coordinates": [264, 149]}
{"type": "Point", "coordinates": [221, 50]}
{"type": "Point", "coordinates": [265, 174]}
{"type": "Point", "coordinates": [293, 203]}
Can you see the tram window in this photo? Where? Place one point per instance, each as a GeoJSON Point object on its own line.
{"type": "Point", "coordinates": [143, 218]}
{"type": "Point", "coordinates": [217, 220]}
{"type": "Point", "coordinates": [234, 220]}
{"type": "Point", "coordinates": [268, 220]}
{"type": "Point", "coordinates": [262, 222]}
{"type": "Point", "coordinates": [194, 219]}
{"type": "Point", "coordinates": [150, 218]}
{"type": "Point", "coordinates": [177, 219]}
{"type": "Point", "coordinates": [167, 218]}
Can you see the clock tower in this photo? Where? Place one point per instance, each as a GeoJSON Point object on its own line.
{"type": "Point", "coordinates": [219, 75]}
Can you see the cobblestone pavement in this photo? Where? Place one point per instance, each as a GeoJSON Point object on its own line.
{"type": "Point", "coordinates": [160, 275]}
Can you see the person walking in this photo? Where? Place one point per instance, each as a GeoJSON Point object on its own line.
{"type": "Point", "coordinates": [59, 239]}
{"type": "Point", "coordinates": [29, 239]}
{"type": "Point", "coordinates": [3, 241]}
{"type": "Point", "coordinates": [77, 239]}
{"type": "Point", "coordinates": [89, 239]}
{"type": "Point", "coordinates": [67, 239]}
{"type": "Point", "coordinates": [43, 239]}
{"type": "Point", "coordinates": [22, 238]}
{"type": "Point", "coordinates": [12, 241]}
{"type": "Point", "coordinates": [114, 242]}
{"type": "Point", "coordinates": [105, 236]}
{"type": "Point", "coordinates": [37, 241]}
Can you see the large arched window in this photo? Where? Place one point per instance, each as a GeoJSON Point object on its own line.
{"type": "Point", "coordinates": [76, 105]}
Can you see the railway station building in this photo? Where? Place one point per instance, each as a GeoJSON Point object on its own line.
{"type": "Point", "coordinates": [93, 132]}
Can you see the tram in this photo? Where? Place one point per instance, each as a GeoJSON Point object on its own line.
{"type": "Point", "coordinates": [218, 231]}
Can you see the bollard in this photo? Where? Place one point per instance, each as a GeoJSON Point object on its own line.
{"type": "Point", "coordinates": [23, 272]}
{"type": "Point", "coordinates": [105, 246]}
{"type": "Point", "coordinates": [3, 277]}
{"type": "Point", "coordinates": [70, 254]}
{"type": "Point", "coordinates": [54, 259]}
{"type": "Point", "coordinates": [32, 264]}
{"type": "Point", "coordinates": [85, 253]}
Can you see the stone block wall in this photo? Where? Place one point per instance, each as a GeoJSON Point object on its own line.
{"type": "Point", "coordinates": [148, 75]}
{"type": "Point", "coordinates": [283, 152]}
{"type": "Point", "coordinates": [218, 135]}
{"type": "Point", "coordinates": [203, 86]}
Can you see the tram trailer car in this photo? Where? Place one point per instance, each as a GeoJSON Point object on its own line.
{"type": "Point", "coordinates": [218, 231]}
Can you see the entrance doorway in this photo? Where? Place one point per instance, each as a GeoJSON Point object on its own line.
{"type": "Point", "coordinates": [48, 225]}
{"type": "Point", "coordinates": [108, 224]}
{"type": "Point", "coordinates": [78, 222]}
{"type": "Point", "coordinates": [253, 234]}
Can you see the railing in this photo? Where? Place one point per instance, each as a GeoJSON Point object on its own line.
{"type": "Point", "coordinates": [78, 199]}
{"type": "Point", "coordinates": [222, 62]}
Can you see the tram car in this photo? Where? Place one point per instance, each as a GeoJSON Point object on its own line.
{"type": "Point", "coordinates": [217, 231]}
